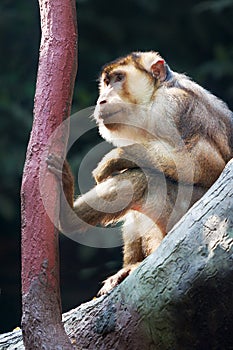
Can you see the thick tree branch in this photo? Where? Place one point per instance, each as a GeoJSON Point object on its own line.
{"type": "Point", "coordinates": [41, 321]}
{"type": "Point", "coordinates": [181, 295]}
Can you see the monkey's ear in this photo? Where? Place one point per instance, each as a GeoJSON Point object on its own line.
{"type": "Point", "coordinates": [158, 70]}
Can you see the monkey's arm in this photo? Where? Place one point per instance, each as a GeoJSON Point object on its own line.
{"type": "Point", "coordinates": [182, 164]}
{"type": "Point", "coordinates": [111, 199]}
{"type": "Point", "coordinates": [104, 204]}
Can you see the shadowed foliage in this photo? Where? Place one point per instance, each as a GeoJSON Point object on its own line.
{"type": "Point", "coordinates": [195, 37]}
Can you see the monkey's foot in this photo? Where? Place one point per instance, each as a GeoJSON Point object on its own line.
{"type": "Point", "coordinates": [116, 279]}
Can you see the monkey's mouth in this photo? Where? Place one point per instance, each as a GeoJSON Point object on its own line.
{"type": "Point", "coordinates": [108, 115]}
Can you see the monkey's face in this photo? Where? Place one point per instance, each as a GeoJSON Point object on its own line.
{"type": "Point", "coordinates": [127, 88]}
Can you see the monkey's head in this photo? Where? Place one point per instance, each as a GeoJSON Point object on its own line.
{"type": "Point", "coordinates": [127, 90]}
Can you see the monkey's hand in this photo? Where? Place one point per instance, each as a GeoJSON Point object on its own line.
{"type": "Point", "coordinates": [62, 171]}
{"type": "Point", "coordinates": [116, 279]}
{"type": "Point", "coordinates": [114, 162]}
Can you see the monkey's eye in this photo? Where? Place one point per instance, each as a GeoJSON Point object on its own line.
{"type": "Point", "coordinates": [107, 81]}
{"type": "Point", "coordinates": [118, 77]}
{"type": "Point", "coordinates": [115, 77]}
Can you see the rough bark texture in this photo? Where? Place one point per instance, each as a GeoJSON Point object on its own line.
{"type": "Point", "coordinates": [179, 298]}
{"type": "Point", "coordinates": [41, 321]}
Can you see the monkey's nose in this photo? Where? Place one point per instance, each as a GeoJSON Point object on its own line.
{"type": "Point", "coordinates": [102, 102]}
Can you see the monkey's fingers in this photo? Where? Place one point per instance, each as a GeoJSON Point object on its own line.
{"type": "Point", "coordinates": [55, 171]}
{"type": "Point", "coordinates": [113, 167]}
{"type": "Point", "coordinates": [55, 165]}
{"type": "Point", "coordinates": [113, 281]}
{"type": "Point", "coordinates": [116, 279]}
{"type": "Point", "coordinates": [55, 160]}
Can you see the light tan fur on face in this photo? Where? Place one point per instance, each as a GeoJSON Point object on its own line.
{"type": "Point", "coordinates": [133, 98]}
{"type": "Point", "coordinates": [130, 92]}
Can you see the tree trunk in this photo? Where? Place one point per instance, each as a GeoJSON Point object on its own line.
{"type": "Point", "coordinates": [41, 320]}
{"type": "Point", "coordinates": [180, 297]}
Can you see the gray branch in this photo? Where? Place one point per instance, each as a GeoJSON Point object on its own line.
{"type": "Point", "coordinates": [180, 297]}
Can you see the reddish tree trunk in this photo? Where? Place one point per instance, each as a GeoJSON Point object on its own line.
{"type": "Point", "coordinates": [41, 321]}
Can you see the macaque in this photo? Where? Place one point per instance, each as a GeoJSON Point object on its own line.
{"type": "Point", "coordinates": [173, 138]}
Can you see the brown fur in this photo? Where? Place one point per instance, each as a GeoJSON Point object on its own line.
{"type": "Point", "coordinates": [175, 133]}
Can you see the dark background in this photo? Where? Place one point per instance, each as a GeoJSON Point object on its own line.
{"type": "Point", "coordinates": [195, 37]}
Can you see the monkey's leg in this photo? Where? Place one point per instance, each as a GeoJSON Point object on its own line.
{"type": "Point", "coordinates": [143, 231]}
{"type": "Point", "coordinates": [141, 237]}
{"type": "Point", "coordinates": [150, 233]}
{"type": "Point", "coordinates": [132, 253]}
